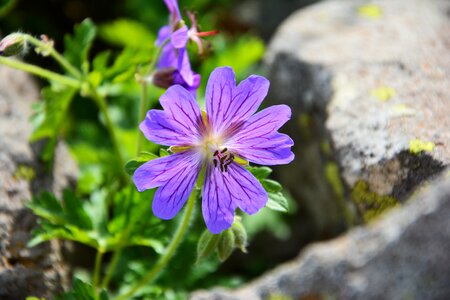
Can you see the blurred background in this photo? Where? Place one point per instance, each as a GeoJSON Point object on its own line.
{"type": "Point", "coordinates": [245, 30]}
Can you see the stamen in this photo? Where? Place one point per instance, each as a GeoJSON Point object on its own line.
{"type": "Point", "coordinates": [216, 153]}
{"type": "Point", "coordinates": [223, 150]}
{"type": "Point", "coordinates": [215, 163]}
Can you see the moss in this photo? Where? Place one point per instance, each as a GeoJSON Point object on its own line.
{"type": "Point", "coordinates": [279, 297]}
{"type": "Point", "coordinates": [417, 146]}
{"type": "Point", "coordinates": [370, 204]}
{"type": "Point", "coordinates": [25, 172]}
{"type": "Point", "coordinates": [334, 179]}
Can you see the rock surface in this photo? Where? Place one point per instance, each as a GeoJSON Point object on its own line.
{"type": "Point", "coordinates": [381, 74]}
{"type": "Point", "coordinates": [402, 256]}
{"type": "Point", "coordinates": [37, 271]}
{"type": "Point", "coordinates": [368, 84]}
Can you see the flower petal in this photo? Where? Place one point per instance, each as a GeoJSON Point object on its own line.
{"type": "Point", "coordinates": [176, 175]}
{"type": "Point", "coordinates": [172, 6]}
{"type": "Point", "coordinates": [163, 34]}
{"type": "Point", "coordinates": [180, 37]}
{"type": "Point", "coordinates": [219, 93]}
{"type": "Point", "coordinates": [226, 104]}
{"type": "Point", "coordinates": [258, 140]}
{"type": "Point", "coordinates": [246, 99]}
{"type": "Point", "coordinates": [224, 191]}
{"type": "Point", "coordinates": [168, 58]}
{"type": "Point", "coordinates": [178, 124]}
{"type": "Point", "coordinates": [184, 67]}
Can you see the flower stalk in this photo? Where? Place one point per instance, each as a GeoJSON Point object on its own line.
{"type": "Point", "coordinates": [176, 241]}
{"type": "Point", "coordinates": [38, 71]}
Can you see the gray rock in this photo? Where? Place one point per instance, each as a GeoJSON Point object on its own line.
{"type": "Point", "coordinates": [402, 256]}
{"type": "Point", "coordinates": [38, 271]}
{"type": "Point", "coordinates": [375, 78]}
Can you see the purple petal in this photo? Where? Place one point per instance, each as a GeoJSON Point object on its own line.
{"type": "Point", "coordinates": [176, 175]}
{"type": "Point", "coordinates": [184, 67]}
{"type": "Point", "coordinates": [246, 99]}
{"type": "Point", "coordinates": [180, 37]}
{"type": "Point", "coordinates": [228, 105]}
{"type": "Point", "coordinates": [181, 106]}
{"type": "Point", "coordinates": [172, 6]}
{"type": "Point", "coordinates": [163, 34]}
{"type": "Point", "coordinates": [218, 97]}
{"type": "Point", "coordinates": [224, 191]}
{"type": "Point", "coordinates": [168, 58]}
{"type": "Point", "coordinates": [258, 140]}
{"type": "Point", "coordinates": [158, 171]}
{"type": "Point", "coordinates": [180, 122]}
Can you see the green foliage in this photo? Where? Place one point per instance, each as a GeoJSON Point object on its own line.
{"type": "Point", "coordinates": [135, 163]}
{"type": "Point", "coordinates": [77, 46]}
{"type": "Point", "coordinates": [127, 33]}
{"type": "Point", "coordinates": [223, 243]}
{"type": "Point", "coordinates": [89, 222]}
{"type": "Point", "coordinates": [83, 291]}
{"type": "Point", "coordinates": [277, 201]}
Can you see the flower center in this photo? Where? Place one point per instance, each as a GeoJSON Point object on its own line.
{"type": "Point", "coordinates": [222, 158]}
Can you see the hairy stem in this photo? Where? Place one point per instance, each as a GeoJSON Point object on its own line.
{"type": "Point", "coordinates": [40, 72]}
{"type": "Point", "coordinates": [53, 53]}
{"type": "Point", "coordinates": [101, 102]}
{"type": "Point", "coordinates": [142, 110]}
{"type": "Point", "coordinates": [170, 251]}
{"type": "Point", "coordinates": [97, 268]}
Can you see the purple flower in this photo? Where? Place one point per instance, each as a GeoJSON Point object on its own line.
{"type": "Point", "coordinates": [218, 141]}
{"type": "Point", "coordinates": [174, 57]}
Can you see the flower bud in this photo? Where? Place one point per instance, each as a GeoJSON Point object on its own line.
{"type": "Point", "coordinates": [13, 44]}
{"type": "Point", "coordinates": [206, 244]}
{"type": "Point", "coordinates": [164, 78]}
{"type": "Point", "coordinates": [226, 245]}
{"type": "Point", "coordinates": [240, 235]}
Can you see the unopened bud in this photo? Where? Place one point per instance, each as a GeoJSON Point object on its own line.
{"type": "Point", "coordinates": [240, 235]}
{"type": "Point", "coordinates": [13, 44]}
{"type": "Point", "coordinates": [207, 244]}
{"type": "Point", "coordinates": [164, 78]}
{"type": "Point", "coordinates": [226, 245]}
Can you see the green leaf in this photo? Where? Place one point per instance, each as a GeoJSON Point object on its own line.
{"type": "Point", "coordinates": [74, 211]}
{"type": "Point", "coordinates": [77, 46]}
{"type": "Point", "coordinates": [207, 244]}
{"type": "Point", "coordinates": [127, 33]}
{"type": "Point", "coordinates": [163, 152]}
{"type": "Point", "coordinates": [47, 206]}
{"type": "Point", "coordinates": [240, 234]}
{"type": "Point", "coordinates": [271, 186]}
{"type": "Point", "coordinates": [49, 119]}
{"type": "Point", "coordinates": [260, 172]}
{"type": "Point", "coordinates": [135, 163]}
{"type": "Point", "coordinates": [82, 291]}
{"type": "Point", "coordinates": [277, 202]}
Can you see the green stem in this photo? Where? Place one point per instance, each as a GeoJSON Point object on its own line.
{"type": "Point", "coordinates": [101, 102]}
{"type": "Point", "coordinates": [123, 238]}
{"type": "Point", "coordinates": [97, 268]}
{"type": "Point", "coordinates": [39, 72]}
{"type": "Point", "coordinates": [142, 111]}
{"type": "Point", "coordinates": [53, 53]}
{"type": "Point", "coordinates": [162, 262]}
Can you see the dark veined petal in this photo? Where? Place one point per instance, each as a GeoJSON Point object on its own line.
{"type": "Point", "coordinates": [219, 93]}
{"type": "Point", "coordinates": [227, 104]}
{"type": "Point", "coordinates": [178, 124]}
{"type": "Point", "coordinates": [175, 175]}
{"type": "Point", "coordinates": [246, 99]}
{"type": "Point", "coordinates": [225, 191]}
{"type": "Point", "coordinates": [258, 140]}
